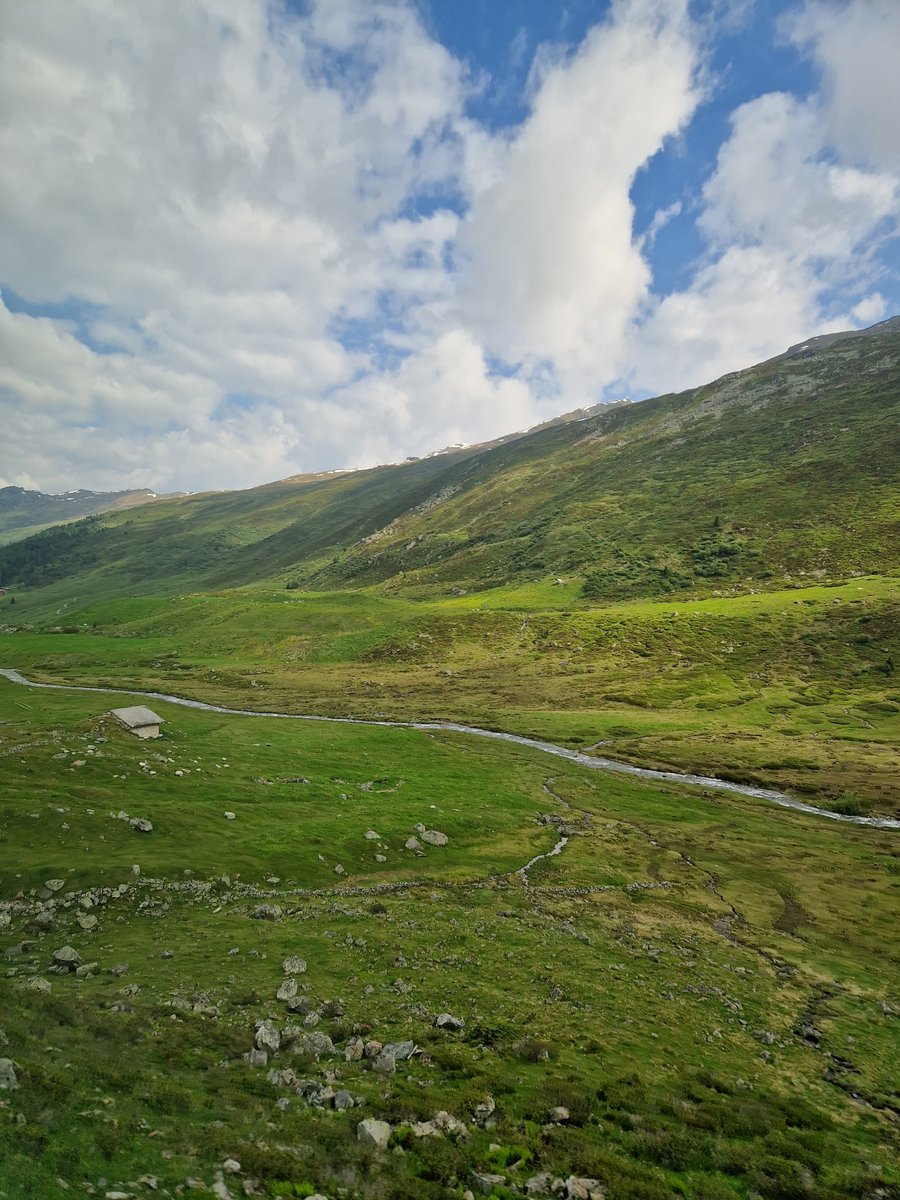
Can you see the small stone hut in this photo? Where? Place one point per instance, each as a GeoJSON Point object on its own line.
{"type": "Point", "coordinates": [140, 720]}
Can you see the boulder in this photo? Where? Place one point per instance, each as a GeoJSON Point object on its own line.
{"type": "Point", "coordinates": [413, 843]}
{"type": "Point", "coordinates": [400, 1050]}
{"type": "Point", "coordinates": [558, 1115]}
{"type": "Point", "coordinates": [580, 1188]}
{"type": "Point", "coordinates": [294, 965]}
{"type": "Point", "coordinates": [54, 885]}
{"type": "Point", "coordinates": [484, 1112]}
{"type": "Point", "coordinates": [267, 912]}
{"type": "Point", "coordinates": [8, 1081]}
{"type": "Point", "coordinates": [287, 991]}
{"type": "Point", "coordinates": [384, 1064]}
{"type": "Point", "coordinates": [353, 1051]}
{"type": "Point", "coordinates": [374, 1133]}
{"type": "Point", "coordinates": [434, 837]}
{"type": "Point", "coordinates": [446, 1123]}
{"type": "Point", "coordinates": [483, 1182]}
{"type": "Point", "coordinates": [446, 1020]}
{"type": "Point", "coordinates": [67, 957]}
{"type": "Point", "coordinates": [141, 824]}
{"type": "Point", "coordinates": [267, 1037]}
{"type": "Point", "coordinates": [343, 1100]}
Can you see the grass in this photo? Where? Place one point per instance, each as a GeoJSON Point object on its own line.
{"type": "Point", "coordinates": [648, 960]}
{"type": "Point", "coordinates": [789, 688]}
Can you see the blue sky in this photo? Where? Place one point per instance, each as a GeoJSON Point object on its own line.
{"type": "Point", "coordinates": [242, 239]}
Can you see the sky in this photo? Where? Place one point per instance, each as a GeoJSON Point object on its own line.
{"type": "Point", "coordinates": [245, 239]}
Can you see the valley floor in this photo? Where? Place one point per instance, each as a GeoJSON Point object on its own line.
{"type": "Point", "coordinates": [707, 984]}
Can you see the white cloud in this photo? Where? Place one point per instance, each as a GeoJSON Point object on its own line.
{"type": "Point", "coordinates": [223, 198]}
{"type": "Point", "coordinates": [552, 271]}
{"type": "Point", "coordinates": [793, 214]}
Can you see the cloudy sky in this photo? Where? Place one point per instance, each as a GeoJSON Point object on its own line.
{"type": "Point", "coordinates": [241, 239]}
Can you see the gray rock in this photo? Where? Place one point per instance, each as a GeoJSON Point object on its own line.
{"type": "Point", "coordinates": [294, 965]}
{"type": "Point", "coordinates": [484, 1183]}
{"type": "Point", "coordinates": [339, 870]}
{"type": "Point", "coordinates": [67, 957]}
{"type": "Point", "coordinates": [445, 1122]}
{"type": "Point", "coordinates": [434, 837]}
{"type": "Point", "coordinates": [8, 1081]}
{"type": "Point", "coordinates": [558, 1116]}
{"type": "Point", "coordinates": [400, 1050]}
{"type": "Point", "coordinates": [54, 885]}
{"type": "Point", "coordinates": [141, 824]}
{"type": "Point", "coordinates": [287, 991]}
{"type": "Point", "coordinates": [372, 836]}
{"type": "Point", "coordinates": [484, 1111]}
{"type": "Point", "coordinates": [380, 858]}
{"type": "Point", "coordinates": [343, 1100]}
{"type": "Point", "coordinates": [384, 1064]}
{"type": "Point", "coordinates": [353, 1051]}
{"type": "Point", "coordinates": [581, 1188]}
{"type": "Point", "coordinates": [446, 1020]}
{"type": "Point", "coordinates": [267, 912]}
{"type": "Point", "coordinates": [314, 1044]}
{"type": "Point", "coordinates": [87, 921]}
{"type": "Point", "coordinates": [257, 1058]}
{"type": "Point", "coordinates": [300, 1004]}
{"type": "Point", "coordinates": [267, 1037]}
{"type": "Point", "coordinates": [231, 1165]}
{"type": "Point", "coordinates": [539, 1185]}
{"type": "Point", "coordinates": [372, 1048]}
{"type": "Point", "coordinates": [374, 1133]}
{"type": "Point", "coordinates": [413, 843]}
{"type": "Point", "coordinates": [230, 816]}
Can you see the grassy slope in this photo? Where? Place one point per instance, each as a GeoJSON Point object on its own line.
{"type": "Point", "coordinates": [788, 467]}
{"type": "Point", "coordinates": [708, 1035]}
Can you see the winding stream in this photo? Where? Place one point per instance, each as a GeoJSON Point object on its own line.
{"type": "Point", "coordinates": [584, 760]}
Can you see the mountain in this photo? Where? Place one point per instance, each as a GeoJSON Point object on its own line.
{"type": "Point", "coordinates": [23, 512]}
{"type": "Point", "coordinates": [786, 469]}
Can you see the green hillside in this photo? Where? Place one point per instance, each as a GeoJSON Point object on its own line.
{"type": "Point", "coordinates": [787, 469]}
{"type": "Point", "coordinates": [25, 512]}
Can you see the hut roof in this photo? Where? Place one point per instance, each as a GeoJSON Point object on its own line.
{"type": "Point", "coordinates": [137, 717]}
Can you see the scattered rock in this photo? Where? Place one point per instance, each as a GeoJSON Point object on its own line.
{"type": "Point", "coordinates": [294, 966]}
{"type": "Point", "coordinates": [384, 1064]}
{"type": "Point", "coordinates": [67, 957]}
{"type": "Point", "coordinates": [434, 837]}
{"type": "Point", "coordinates": [374, 1133]}
{"type": "Point", "coordinates": [400, 1050]}
{"type": "Point", "coordinates": [343, 1100]}
{"type": "Point", "coordinates": [413, 843]}
{"type": "Point", "coordinates": [484, 1182]}
{"type": "Point", "coordinates": [484, 1112]}
{"type": "Point", "coordinates": [559, 1115]}
{"type": "Point", "coordinates": [580, 1188]}
{"type": "Point", "coordinates": [8, 1081]}
{"type": "Point", "coordinates": [446, 1020]}
{"type": "Point", "coordinates": [287, 991]}
{"type": "Point", "coordinates": [54, 885]}
{"type": "Point", "coordinates": [267, 912]}
{"type": "Point", "coordinates": [232, 1166]}
{"type": "Point", "coordinates": [380, 858]}
{"type": "Point", "coordinates": [267, 1037]}
{"type": "Point", "coordinates": [87, 921]}
{"type": "Point", "coordinates": [339, 870]}
{"type": "Point", "coordinates": [230, 816]}
{"type": "Point", "coordinates": [37, 984]}
{"type": "Point", "coordinates": [141, 824]}
{"type": "Point", "coordinates": [372, 836]}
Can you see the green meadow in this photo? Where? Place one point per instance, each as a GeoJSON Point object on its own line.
{"type": "Point", "coordinates": [704, 982]}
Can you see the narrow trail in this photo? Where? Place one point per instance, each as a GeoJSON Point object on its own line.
{"type": "Point", "coordinates": [583, 760]}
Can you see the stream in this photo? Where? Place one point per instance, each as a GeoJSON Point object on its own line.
{"type": "Point", "coordinates": [584, 760]}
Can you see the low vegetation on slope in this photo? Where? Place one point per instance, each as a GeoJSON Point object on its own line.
{"type": "Point", "coordinates": [695, 998]}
